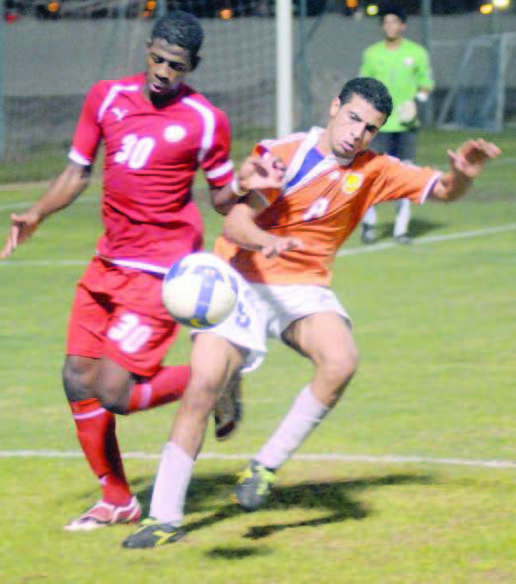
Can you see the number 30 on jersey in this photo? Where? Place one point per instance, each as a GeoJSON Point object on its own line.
{"type": "Point", "coordinates": [135, 151]}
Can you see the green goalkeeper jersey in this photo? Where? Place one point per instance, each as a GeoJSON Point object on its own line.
{"type": "Point", "coordinates": [404, 70]}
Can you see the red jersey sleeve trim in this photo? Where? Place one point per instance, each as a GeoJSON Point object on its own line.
{"type": "Point", "coordinates": [78, 158]}
{"type": "Point", "coordinates": [221, 170]}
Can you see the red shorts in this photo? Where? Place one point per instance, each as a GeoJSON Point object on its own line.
{"type": "Point", "coordinates": [117, 313]}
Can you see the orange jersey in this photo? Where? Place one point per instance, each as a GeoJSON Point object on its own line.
{"type": "Point", "coordinates": [321, 203]}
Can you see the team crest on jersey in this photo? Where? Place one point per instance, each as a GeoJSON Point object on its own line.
{"type": "Point", "coordinates": [174, 133]}
{"type": "Point", "coordinates": [351, 182]}
{"type": "Point", "coordinates": [409, 61]}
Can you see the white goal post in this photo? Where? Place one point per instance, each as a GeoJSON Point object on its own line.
{"type": "Point", "coordinates": [284, 67]}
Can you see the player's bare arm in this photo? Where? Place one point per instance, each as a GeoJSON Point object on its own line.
{"type": "Point", "coordinates": [257, 173]}
{"type": "Point", "coordinates": [61, 193]}
{"type": "Point", "coordinates": [465, 165]}
{"type": "Point", "coordinates": [240, 228]}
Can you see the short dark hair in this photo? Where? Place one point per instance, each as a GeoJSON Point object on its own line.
{"type": "Point", "coordinates": [391, 8]}
{"type": "Point", "coordinates": [182, 29]}
{"type": "Point", "coordinates": [372, 90]}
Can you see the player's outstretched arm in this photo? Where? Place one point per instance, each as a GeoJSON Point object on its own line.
{"type": "Point", "coordinates": [465, 165]}
{"type": "Point", "coordinates": [61, 192]}
{"type": "Point", "coordinates": [240, 228]}
{"type": "Point", "coordinates": [257, 175]}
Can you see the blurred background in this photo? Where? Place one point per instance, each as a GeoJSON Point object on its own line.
{"type": "Point", "coordinates": [53, 50]}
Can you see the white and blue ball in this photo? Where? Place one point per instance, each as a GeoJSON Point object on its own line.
{"type": "Point", "coordinates": [200, 290]}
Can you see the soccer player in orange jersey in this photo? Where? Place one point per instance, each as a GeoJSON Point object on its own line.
{"type": "Point", "coordinates": [283, 240]}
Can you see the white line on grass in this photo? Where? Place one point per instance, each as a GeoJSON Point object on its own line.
{"type": "Point", "coordinates": [40, 263]}
{"type": "Point", "coordinates": [429, 239]}
{"type": "Point", "coordinates": [343, 252]}
{"type": "Point", "coordinates": [335, 457]}
{"type": "Point", "coordinates": [26, 204]}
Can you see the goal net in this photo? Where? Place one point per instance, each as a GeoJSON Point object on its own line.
{"type": "Point", "coordinates": [483, 94]}
{"type": "Point", "coordinates": [51, 60]}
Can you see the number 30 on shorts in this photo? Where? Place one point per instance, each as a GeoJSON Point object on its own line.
{"type": "Point", "coordinates": [129, 333]}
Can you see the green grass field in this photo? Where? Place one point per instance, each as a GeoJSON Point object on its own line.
{"type": "Point", "coordinates": [411, 480]}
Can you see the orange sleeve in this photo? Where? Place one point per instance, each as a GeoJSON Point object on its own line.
{"type": "Point", "coordinates": [224, 248]}
{"type": "Point", "coordinates": [400, 180]}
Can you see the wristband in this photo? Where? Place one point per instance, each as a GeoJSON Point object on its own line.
{"type": "Point", "coordinates": [237, 189]}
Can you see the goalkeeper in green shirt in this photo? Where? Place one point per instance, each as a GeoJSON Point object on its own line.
{"type": "Point", "coordinates": [404, 67]}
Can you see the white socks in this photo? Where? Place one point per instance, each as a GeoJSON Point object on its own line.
{"type": "Point", "coordinates": [369, 219]}
{"type": "Point", "coordinates": [304, 416]}
{"type": "Point", "coordinates": [402, 217]}
{"type": "Point", "coordinates": [401, 223]}
{"type": "Point", "coordinates": [175, 469]}
{"type": "Point", "coordinates": [171, 484]}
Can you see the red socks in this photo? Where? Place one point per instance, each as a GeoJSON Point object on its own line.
{"type": "Point", "coordinates": [96, 433]}
{"type": "Point", "coordinates": [168, 385]}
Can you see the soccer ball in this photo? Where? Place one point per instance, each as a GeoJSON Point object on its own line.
{"type": "Point", "coordinates": [199, 290]}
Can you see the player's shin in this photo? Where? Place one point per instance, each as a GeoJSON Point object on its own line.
{"type": "Point", "coordinates": [304, 416]}
{"type": "Point", "coordinates": [171, 485]}
{"type": "Point", "coordinates": [179, 454]}
{"type": "Point", "coordinates": [96, 432]}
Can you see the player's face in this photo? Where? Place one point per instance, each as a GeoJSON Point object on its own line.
{"type": "Point", "coordinates": [352, 126]}
{"type": "Point", "coordinates": [167, 66]}
{"type": "Point", "coordinates": [393, 27]}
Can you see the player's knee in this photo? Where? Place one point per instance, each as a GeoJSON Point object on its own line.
{"type": "Point", "coordinates": [78, 378]}
{"type": "Point", "coordinates": [339, 369]}
{"type": "Point", "coordinates": [115, 407]}
{"type": "Point", "coordinates": [342, 372]}
{"type": "Point", "coordinates": [113, 387]}
{"type": "Point", "coordinates": [113, 397]}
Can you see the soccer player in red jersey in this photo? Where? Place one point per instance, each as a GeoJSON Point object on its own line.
{"type": "Point", "coordinates": [283, 241]}
{"type": "Point", "coordinates": [156, 133]}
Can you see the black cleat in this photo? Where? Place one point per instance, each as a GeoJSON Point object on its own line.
{"type": "Point", "coordinates": [367, 234]}
{"type": "Point", "coordinates": [254, 486]}
{"type": "Point", "coordinates": [151, 533]}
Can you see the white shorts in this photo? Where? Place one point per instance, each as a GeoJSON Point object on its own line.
{"type": "Point", "coordinates": [265, 311]}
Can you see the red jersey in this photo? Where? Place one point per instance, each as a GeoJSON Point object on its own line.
{"type": "Point", "coordinates": [321, 203]}
{"type": "Point", "coordinates": [151, 156]}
